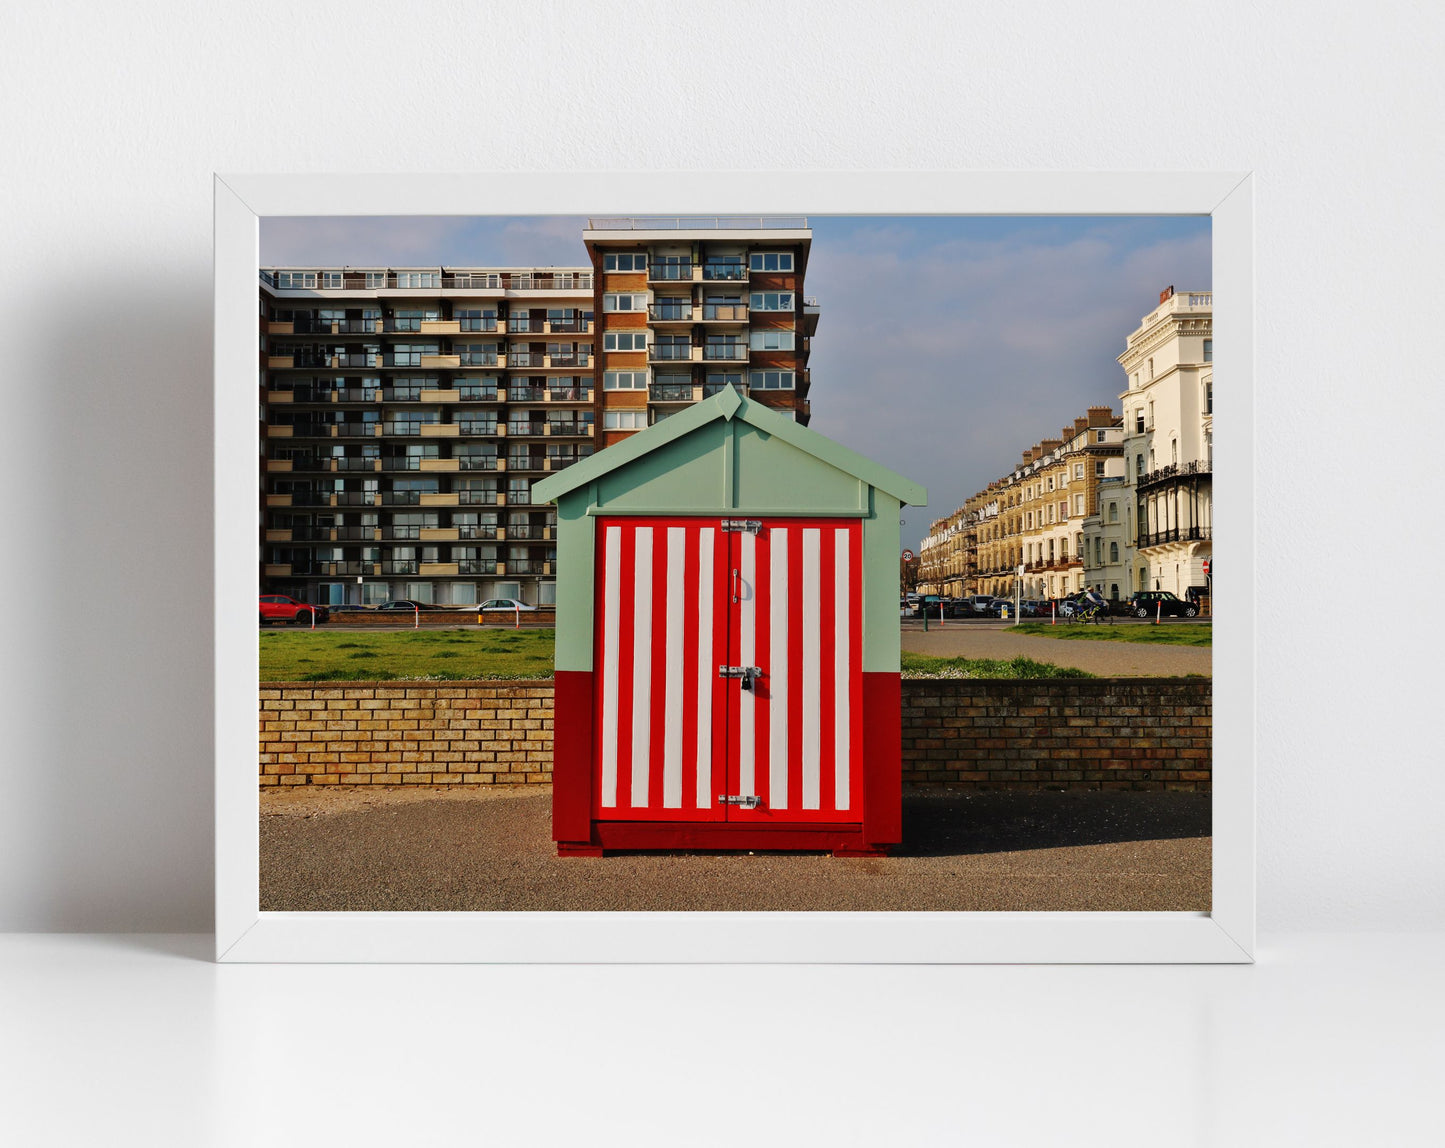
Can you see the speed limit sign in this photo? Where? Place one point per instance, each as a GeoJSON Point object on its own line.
{"type": "Point", "coordinates": [908, 556]}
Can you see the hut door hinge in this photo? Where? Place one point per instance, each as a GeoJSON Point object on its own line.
{"type": "Point", "coordinates": [743, 525]}
{"type": "Point", "coordinates": [749, 802]}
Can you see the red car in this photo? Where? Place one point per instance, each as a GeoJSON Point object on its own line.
{"type": "Point", "coordinates": [279, 608]}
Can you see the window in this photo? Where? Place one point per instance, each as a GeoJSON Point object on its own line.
{"type": "Point", "coordinates": [1099, 469]}
{"type": "Point", "coordinates": [1051, 482]}
{"type": "Point", "coordinates": [771, 261]}
{"type": "Point", "coordinates": [1151, 368]}
{"type": "Point", "coordinates": [1136, 380]}
{"type": "Point", "coordinates": [771, 380]}
{"type": "Point", "coordinates": [1209, 350]}
{"type": "Point", "coordinates": [332, 280]}
{"type": "Point", "coordinates": [625, 341]}
{"type": "Point", "coordinates": [1139, 465]}
{"type": "Point", "coordinates": [1098, 436]}
{"type": "Point", "coordinates": [624, 380]}
{"type": "Point", "coordinates": [1209, 397]}
{"type": "Point", "coordinates": [1114, 555]}
{"type": "Point", "coordinates": [624, 420]}
{"type": "Point", "coordinates": [376, 280]}
{"type": "Point", "coordinates": [625, 261]}
{"type": "Point", "coordinates": [294, 280]}
{"type": "Point", "coordinates": [771, 301]}
{"type": "Point", "coordinates": [614, 302]}
{"type": "Point", "coordinates": [771, 340]}
{"type": "Point", "coordinates": [1078, 470]}
{"type": "Point", "coordinates": [415, 279]}
{"type": "Point", "coordinates": [1078, 504]}
{"type": "Point", "coordinates": [1063, 509]}
{"type": "Point", "coordinates": [1139, 421]}
{"type": "Point", "coordinates": [1174, 450]}
{"type": "Point", "coordinates": [1113, 512]}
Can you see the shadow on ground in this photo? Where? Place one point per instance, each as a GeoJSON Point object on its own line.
{"type": "Point", "coordinates": [942, 823]}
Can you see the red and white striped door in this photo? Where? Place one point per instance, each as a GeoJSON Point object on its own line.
{"type": "Point", "coordinates": [779, 603]}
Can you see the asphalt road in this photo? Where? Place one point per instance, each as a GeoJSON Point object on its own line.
{"type": "Point", "coordinates": [451, 849]}
{"type": "Point", "coordinates": [973, 639]}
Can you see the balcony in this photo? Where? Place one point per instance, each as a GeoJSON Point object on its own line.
{"type": "Point", "coordinates": [672, 272]}
{"type": "Point", "coordinates": [720, 271]}
{"type": "Point", "coordinates": [524, 394]}
{"type": "Point", "coordinates": [479, 498]}
{"type": "Point", "coordinates": [526, 359]}
{"type": "Point", "coordinates": [476, 533]}
{"type": "Point", "coordinates": [440, 464]}
{"type": "Point", "coordinates": [519, 427]}
{"type": "Point", "coordinates": [731, 352]}
{"type": "Point", "coordinates": [439, 430]}
{"type": "Point", "coordinates": [569, 394]}
{"type": "Point", "coordinates": [569, 429]}
{"type": "Point", "coordinates": [671, 353]}
{"type": "Point", "coordinates": [476, 566]}
{"type": "Point", "coordinates": [439, 534]}
{"type": "Point", "coordinates": [724, 313]}
{"type": "Point", "coordinates": [478, 427]}
{"type": "Point", "coordinates": [278, 465]}
{"type": "Point", "coordinates": [477, 394]}
{"type": "Point", "coordinates": [400, 566]}
{"type": "Point", "coordinates": [1174, 472]}
{"type": "Point", "coordinates": [441, 327]}
{"type": "Point", "coordinates": [355, 463]}
{"type": "Point", "coordinates": [575, 359]}
{"type": "Point", "coordinates": [439, 569]}
{"type": "Point", "coordinates": [437, 498]}
{"type": "Point", "coordinates": [438, 396]}
{"type": "Point", "coordinates": [673, 393]}
{"type": "Point", "coordinates": [1174, 534]}
{"type": "Point", "coordinates": [440, 361]}
{"type": "Point", "coordinates": [477, 462]}
{"type": "Point", "coordinates": [669, 313]}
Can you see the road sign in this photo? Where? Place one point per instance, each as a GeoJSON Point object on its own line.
{"type": "Point", "coordinates": [1206, 567]}
{"type": "Point", "coordinates": [1020, 571]}
{"type": "Point", "coordinates": [908, 557]}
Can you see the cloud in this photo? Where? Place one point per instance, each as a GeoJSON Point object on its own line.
{"type": "Point", "coordinates": [946, 348]}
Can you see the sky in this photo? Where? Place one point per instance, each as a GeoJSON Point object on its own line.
{"type": "Point", "coordinates": [946, 345]}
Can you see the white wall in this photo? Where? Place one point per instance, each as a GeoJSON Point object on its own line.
{"type": "Point", "coordinates": [114, 117]}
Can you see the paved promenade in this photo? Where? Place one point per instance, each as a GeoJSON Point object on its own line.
{"type": "Point", "coordinates": [1108, 659]}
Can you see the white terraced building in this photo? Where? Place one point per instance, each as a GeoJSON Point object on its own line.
{"type": "Point", "coordinates": [1168, 408]}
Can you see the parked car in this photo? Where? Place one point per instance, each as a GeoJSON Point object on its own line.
{"type": "Point", "coordinates": [505, 604]}
{"type": "Point", "coordinates": [280, 608]}
{"type": "Point", "coordinates": [980, 603]}
{"type": "Point", "coordinates": [1148, 603]}
{"type": "Point", "coordinates": [408, 605]}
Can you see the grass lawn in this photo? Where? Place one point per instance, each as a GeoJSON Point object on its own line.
{"type": "Point", "coordinates": [1193, 634]}
{"type": "Point", "coordinates": [414, 655]}
{"type": "Point", "coordinates": [924, 666]}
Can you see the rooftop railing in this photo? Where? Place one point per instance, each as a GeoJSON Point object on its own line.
{"type": "Point", "coordinates": [698, 223]}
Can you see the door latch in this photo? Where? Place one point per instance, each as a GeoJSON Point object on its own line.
{"type": "Point", "coordinates": [749, 802]}
{"type": "Point", "coordinates": [744, 525]}
{"type": "Point", "coordinates": [747, 673]}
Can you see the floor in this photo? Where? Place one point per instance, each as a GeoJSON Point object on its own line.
{"type": "Point", "coordinates": [1333, 1039]}
{"type": "Point", "coordinates": [488, 848]}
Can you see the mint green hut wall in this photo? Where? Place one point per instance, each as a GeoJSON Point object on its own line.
{"type": "Point", "coordinates": [731, 457]}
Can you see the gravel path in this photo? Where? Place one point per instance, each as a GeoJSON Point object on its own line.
{"type": "Point", "coordinates": [451, 849]}
{"type": "Point", "coordinates": [1108, 659]}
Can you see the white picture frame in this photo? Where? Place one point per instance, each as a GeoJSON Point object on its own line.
{"type": "Point", "coordinates": [1226, 934]}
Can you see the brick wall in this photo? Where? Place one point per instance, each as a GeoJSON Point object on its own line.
{"type": "Point", "coordinates": [1056, 733]}
{"type": "Point", "coordinates": [340, 616]}
{"type": "Point", "coordinates": [1059, 733]}
{"type": "Point", "coordinates": [391, 733]}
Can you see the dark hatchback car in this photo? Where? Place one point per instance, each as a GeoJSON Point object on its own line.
{"type": "Point", "coordinates": [408, 605]}
{"type": "Point", "coordinates": [1148, 603]}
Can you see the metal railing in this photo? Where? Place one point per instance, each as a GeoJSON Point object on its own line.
{"type": "Point", "coordinates": [1174, 534]}
{"type": "Point", "coordinates": [671, 352]}
{"type": "Point", "coordinates": [697, 223]}
{"type": "Point", "coordinates": [477, 394]}
{"type": "Point", "coordinates": [477, 462]}
{"type": "Point", "coordinates": [670, 272]}
{"type": "Point", "coordinates": [476, 566]}
{"type": "Point", "coordinates": [569, 394]}
{"type": "Point", "coordinates": [520, 426]}
{"type": "Point", "coordinates": [732, 312]}
{"type": "Point", "coordinates": [1175, 470]}
{"type": "Point", "coordinates": [477, 497]}
{"type": "Point", "coordinates": [670, 392]}
{"type": "Point", "coordinates": [723, 272]}
{"type": "Point", "coordinates": [477, 533]}
{"type": "Point", "coordinates": [477, 426]}
{"type": "Point", "coordinates": [725, 351]}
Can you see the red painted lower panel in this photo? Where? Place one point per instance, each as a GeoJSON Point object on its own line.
{"type": "Point", "coordinates": [634, 835]}
{"type": "Point", "coordinates": [882, 758]}
{"type": "Point", "coordinates": [572, 756]}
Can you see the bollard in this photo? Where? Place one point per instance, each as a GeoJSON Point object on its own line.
{"type": "Point", "coordinates": [1053, 613]}
{"type": "Point", "coordinates": [1158, 611]}
{"type": "Point", "coordinates": [517, 625]}
{"type": "Point", "coordinates": [416, 625]}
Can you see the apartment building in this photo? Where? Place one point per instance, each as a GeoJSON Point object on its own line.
{"type": "Point", "coordinates": [1168, 407]}
{"type": "Point", "coordinates": [945, 557]}
{"type": "Point", "coordinates": [406, 412]}
{"type": "Point", "coordinates": [1032, 519]}
{"type": "Point", "coordinates": [1108, 542]}
{"type": "Point", "coordinates": [688, 306]}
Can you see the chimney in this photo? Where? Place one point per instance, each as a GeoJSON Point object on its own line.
{"type": "Point", "coordinates": [1081, 423]}
{"type": "Point", "coordinates": [1101, 416]}
{"type": "Point", "coordinates": [1049, 444]}
{"type": "Point", "coordinates": [1166, 294]}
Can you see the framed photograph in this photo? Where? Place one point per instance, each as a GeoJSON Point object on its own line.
{"type": "Point", "coordinates": [503, 418]}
